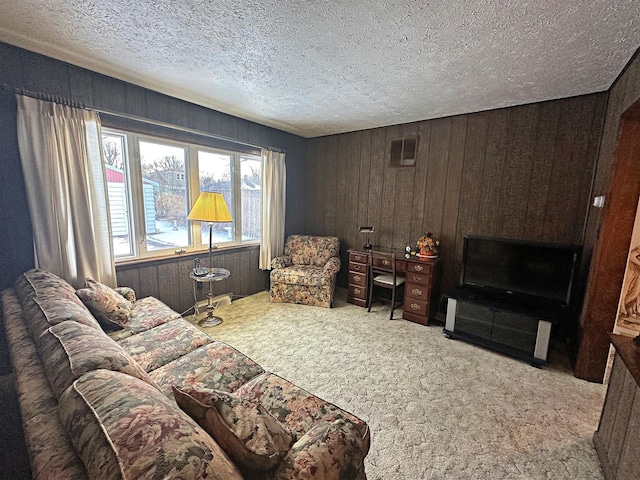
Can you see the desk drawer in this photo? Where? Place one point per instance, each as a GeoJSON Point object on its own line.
{"type": "Point", "coordinates": [417, 307]}
{"type": "Point", "coordinates": [356, 291]}
{"type": "Point", "coordinates": [423, 268]}
{"type": "Point", "coordinates": [417, 291]}
{"type": "Point", "coordinates": [359, 279]}
{"type": "Point", "coordinates": [421, 278]}
{"type": "Point", "coordinates": [358, 267]}
{"type": "Point", "coordinates": [358, 257]}
{"type": "Point", "coordinates": [384, 263]}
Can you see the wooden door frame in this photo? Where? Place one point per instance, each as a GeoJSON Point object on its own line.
{"type": "Point", "coordinates": [611, 251]}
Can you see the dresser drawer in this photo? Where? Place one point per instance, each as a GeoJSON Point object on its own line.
{"type": "Point", "coordinates": [417, 307]}
{"type": "Point", "coordinates": [358, 267]}
{"type": "Point", "coordinates": [359, 279]}
{"type": "Point", "coordinates": [358, 257]}
{"type": "Point", "coordinates": [420, 267]}
{"type": "Point", "coordinates": [417, 291]}
{"type": "Point", "coordinates": [356, 291]}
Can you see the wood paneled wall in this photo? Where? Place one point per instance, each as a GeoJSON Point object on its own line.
{"type": "Point", "coordinates": [522, 172]}
{"type": "Point", "coordinates": [169, 279]}
{"type": "Point", "coordinates": [23, 69]}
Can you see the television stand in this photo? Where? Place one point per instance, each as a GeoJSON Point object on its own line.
{"type": "Point", "coordinates": [517, 330]}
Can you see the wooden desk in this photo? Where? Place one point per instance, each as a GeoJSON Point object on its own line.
{"type": "Point", "coordinates": [421, 274]}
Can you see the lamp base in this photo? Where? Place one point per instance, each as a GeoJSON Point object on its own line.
{"type": "Point", "coordinates": [210, 321]}
{"type": "Point", "coordinates": [367, 246]}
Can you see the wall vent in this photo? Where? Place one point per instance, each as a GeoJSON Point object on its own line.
{"type": "Point", "coordinates": [403, 152]}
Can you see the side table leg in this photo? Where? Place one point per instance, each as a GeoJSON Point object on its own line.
{"type": "Point", "coordinates": [211, 320]}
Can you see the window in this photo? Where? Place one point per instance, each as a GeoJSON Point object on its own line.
{"type": "Point", "coordinates": [153, 182]}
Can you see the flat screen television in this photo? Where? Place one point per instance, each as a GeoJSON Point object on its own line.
{"type": "Point", "coordinates": [529, 272]}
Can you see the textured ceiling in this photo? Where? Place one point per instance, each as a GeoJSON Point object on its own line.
{"type": "Point", "coordinates": [318, 67]}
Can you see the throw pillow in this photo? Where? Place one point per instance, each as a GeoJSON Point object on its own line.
{"type": "Point", "coordinates": [244, 429]}
{"type": "Point", "coordinates": [110, 308]}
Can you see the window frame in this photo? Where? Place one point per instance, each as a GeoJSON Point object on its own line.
{"type": "Point", "coordinates": [132, 167]}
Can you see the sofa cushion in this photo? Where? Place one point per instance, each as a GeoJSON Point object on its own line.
{"type": "Point", "coordinates": [123, 428]}
{"type": "Point", "coordinates": [36, 283]}
{"type": "Point", "coordinates": [216, 365]}
{"type": "Point", "coordinates": [70, 350]}
{"type": "Point", "coordinates": [293, 406]}
{"type": "Point", "coordinates": [146, 313]}
{"type": "Point", "coordinates": [244, 429]}
{"type": "Point", "coordinates": [334, 448]}
{"type": "Point", "coordinates": [38, 290]}
{"type": "Point", "coordinates": [110, 308]}
{"type": "Point", "coordinates": [58, 310]}
{"type": "Point", "coordinates": [302, 275]}
{"type": "Point", "coordinates": [311, 250]}
{"type": "Point", "coordinates": [162, 344]}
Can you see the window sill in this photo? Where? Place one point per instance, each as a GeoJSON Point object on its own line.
{"type": "Point", "coordinates": [175, 257]}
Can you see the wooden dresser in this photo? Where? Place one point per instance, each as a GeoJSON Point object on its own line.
{"type": "Point", "coordinates": [422, 277]}
{"type": "Point", "coordinates": [617, 439]}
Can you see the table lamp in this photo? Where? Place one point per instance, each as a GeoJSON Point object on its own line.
{"type": "Point", "coordinates": [211, 208]}
{"type": "Point", "coordinates": [367, 231]}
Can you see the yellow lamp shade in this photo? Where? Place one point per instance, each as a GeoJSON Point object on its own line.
{"type": "Point", "coordinates": [210, 207]}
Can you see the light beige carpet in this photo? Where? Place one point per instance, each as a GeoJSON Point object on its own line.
{"type": "Point", "coordinates": [437, 408]}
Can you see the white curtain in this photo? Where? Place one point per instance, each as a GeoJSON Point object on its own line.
{"type": "Point", "coordinates": [61, 155]}
{"type": "Point", "coordinates": [273, 203]}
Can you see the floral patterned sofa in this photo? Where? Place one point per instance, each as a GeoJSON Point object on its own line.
{"type": "Point", "coordinates": [306, 273]}
{"type": "Point", "coordinates": [101, 402]}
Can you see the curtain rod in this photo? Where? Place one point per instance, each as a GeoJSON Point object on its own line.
{"type": "Point", "coordinates": [74, 103]}
{"type": "Point", "coordinates": [44, 96]}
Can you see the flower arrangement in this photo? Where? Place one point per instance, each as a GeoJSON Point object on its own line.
{"type": "Point", "coordinates": [427, 245]}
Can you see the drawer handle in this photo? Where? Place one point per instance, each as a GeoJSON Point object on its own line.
{"type": "Point", "coordinates": [418, 268]}
{"type": "Point", "coordinates": [416, 291]}
{"type": "Point", "coordinates": [358, 257]}
{"type": "Point", "coordinates": [386, 262]}
{"type": "Point", "coordinates": [415, 306]}
{"type": "Point", "coordinates": [356, 291]}
{"type": "Point", "coordinates": [417, 278]}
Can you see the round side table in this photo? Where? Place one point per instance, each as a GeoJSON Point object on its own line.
{"type": "Point", "coordinates": [213, 275]}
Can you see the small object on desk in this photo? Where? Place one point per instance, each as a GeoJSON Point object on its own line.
{"type": "Point", "coordinates": [212, 275]}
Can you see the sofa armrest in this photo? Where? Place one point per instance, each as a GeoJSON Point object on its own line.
{"type": "Point", "coordinates": [332, 266]}
{"type": "Point", "coordinates": [281, 261]}
{"type": "Point", "coordinates": [127, 292]}
{"type": "Point", "coordinates": [335, 448]}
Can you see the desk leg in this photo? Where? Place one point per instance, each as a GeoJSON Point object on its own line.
{"type": "Point", "coordinates": [211, 320]}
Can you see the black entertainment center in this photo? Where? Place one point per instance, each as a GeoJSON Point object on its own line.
{"type": "Point", "coordinates": [511, 293]}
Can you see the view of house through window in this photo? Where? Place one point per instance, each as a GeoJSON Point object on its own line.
{"type": "Point", "coordinates": [153, 182]}
{"type": "Point", "coordinates": [165, 213]}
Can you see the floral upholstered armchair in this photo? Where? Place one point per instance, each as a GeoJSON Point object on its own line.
{"type": "Point", "coordinates": [306, 273]}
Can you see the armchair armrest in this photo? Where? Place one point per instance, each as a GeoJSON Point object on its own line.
{"type": "Point", "coordinates": [127, 292]}
{"type": "Point", "coordinates": [332, 266]}
{"type": "Point", "coordinates": [335, 448]}
{"type": "Point", "coordinates": [281, 261]}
